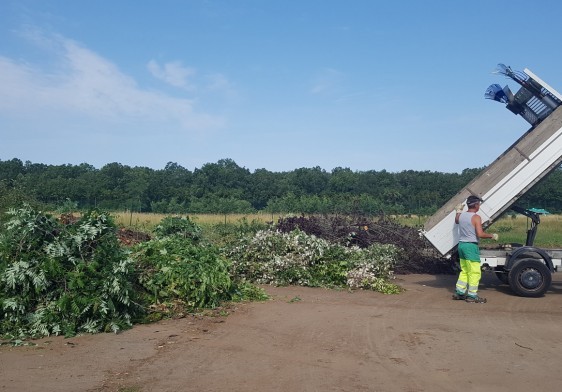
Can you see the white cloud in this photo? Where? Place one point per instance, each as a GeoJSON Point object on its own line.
{"type": "Point", "coordinates": [218, 82]}
{"type": "Point", "coordinates": [173, 73]}
{"type": "Point", "coordinates": [83, 83]}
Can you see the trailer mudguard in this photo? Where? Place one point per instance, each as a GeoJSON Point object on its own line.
{"type": "Point", "coordinates": [520, 252]}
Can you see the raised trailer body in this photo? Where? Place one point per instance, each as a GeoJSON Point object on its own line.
{"type": "Point", "coordinates": [527, 161]}
{"type": "Point", "coordinates": [532, 157]}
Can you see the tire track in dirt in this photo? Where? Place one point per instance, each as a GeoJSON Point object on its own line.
{"type": "Point", "coordinates": [319, 340]}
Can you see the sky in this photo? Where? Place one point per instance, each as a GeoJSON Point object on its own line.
{"type": "Point", "coordinates": [279, 85]}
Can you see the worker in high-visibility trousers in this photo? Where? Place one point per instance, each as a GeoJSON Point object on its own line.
{"type": "Point", "coordinates": [470, 232]}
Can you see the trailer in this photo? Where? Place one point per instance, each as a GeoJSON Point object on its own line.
{"type": "Point", "coordinates": [526, 268]}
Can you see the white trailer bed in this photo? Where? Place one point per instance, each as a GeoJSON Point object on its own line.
{"type": "Point", "coordinates": [527, 269]}
{"type": "Point", "coordinates": [527, 161]}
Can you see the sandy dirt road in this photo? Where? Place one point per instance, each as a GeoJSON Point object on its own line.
{"type": "Point", "coordinates": [308, 339]}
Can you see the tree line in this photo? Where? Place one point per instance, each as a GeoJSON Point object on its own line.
{"type": "Point", "coordinates": [225, 187]}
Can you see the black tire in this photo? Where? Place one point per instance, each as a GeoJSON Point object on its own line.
{"type": "Point", "coordinates": [530, 278]}
{"type": "Point", "coordinates": [502, 275]}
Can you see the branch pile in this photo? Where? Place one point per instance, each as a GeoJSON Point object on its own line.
{"type": "Point", "coordinates": [417, 254]}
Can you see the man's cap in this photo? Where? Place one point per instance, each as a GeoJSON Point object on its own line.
{"type": "Point", "coordinates": [472, 200]}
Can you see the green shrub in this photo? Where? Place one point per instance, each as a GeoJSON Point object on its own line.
{"type": "Point", "coordinates": [273, 257]}
{"type": "Point", "coordinates": [178, 226]}
{"type": "Point", "coordinates": [62, 279]}
{"type": "Point", "coordinates": [224, 234]}
{"type": "Point", "coordinates": [245, 291]}
{"type": "Point", "coordinates": [172, 268]}
{"type": "Point", "coordinates": [371, 269]}
{"type": "Point", "coordinates": [12, 197]}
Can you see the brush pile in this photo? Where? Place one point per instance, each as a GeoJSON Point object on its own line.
{"type": "Point", "coordinates": [417, 254]}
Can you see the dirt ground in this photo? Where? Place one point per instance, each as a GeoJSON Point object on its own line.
{"type": "Point", "coordinates": [318, 340]}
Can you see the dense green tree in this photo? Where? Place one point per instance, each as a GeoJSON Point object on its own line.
{"type": "Point", "coordinates": [136, 186]}
{"type": "Point", "coordinates": [225, 187]}
{"type": "Point", "coordinates": [171, 183]}
{"type": "Point", "coordinates": [308, 181]}
{"type": "Point", "coordinates": [265, 186]}
{"type": "Point", "coordinates": [224, 179]}
{"type": "Point", "coordinates": [343, 180]}
{"type": "Point", "coordinates": [10, 170]}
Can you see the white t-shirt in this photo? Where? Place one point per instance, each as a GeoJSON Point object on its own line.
{"type": "Point", "coordinates": [467, 232]}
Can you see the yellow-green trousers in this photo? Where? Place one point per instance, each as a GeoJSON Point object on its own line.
{"type": "Point", "coordinates": [469, 278]}
{"type": "Point", "coordinates": [470, 274]}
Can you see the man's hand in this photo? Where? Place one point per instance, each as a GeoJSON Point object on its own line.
{"type": "Point", "coordinates": [495, 236]}
{"type": "Point", "coordinates": [459, 208]}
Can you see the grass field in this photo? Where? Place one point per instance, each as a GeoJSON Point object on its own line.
{"type": "Point", "coordinates": [147, 221]}
{"type": "Point", "coordinates": [511, 229]}
{"type": "Point", "coordinates": [514, 230]}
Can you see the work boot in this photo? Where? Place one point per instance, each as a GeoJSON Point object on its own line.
{"type": "Point", "coordinates": [476, 300]}
{"type": "Point", "coordinates": [459, 297]}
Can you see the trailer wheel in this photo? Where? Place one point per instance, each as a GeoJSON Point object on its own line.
{"type": "Point", "coordinates": [530, 278]}
{"type": "Point", "coordinates": [502, 275]}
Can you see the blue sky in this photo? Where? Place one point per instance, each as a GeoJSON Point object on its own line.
{"type": "Point", "coordinates": [280, 85]}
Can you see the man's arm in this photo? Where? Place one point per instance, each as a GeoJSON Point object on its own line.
{"type": "Point", "coordinates": [477, 223]}
{"type": "Point", "coordinates": [458, 209]}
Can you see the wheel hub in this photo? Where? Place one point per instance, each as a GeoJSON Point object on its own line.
{"type": "Point", "coordinates": [530, 278]}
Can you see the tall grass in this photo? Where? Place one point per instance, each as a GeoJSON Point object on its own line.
{"type": "Point", "coordinates": [511, 228]}
{"type": "Point", "coordinates": [148, 221]}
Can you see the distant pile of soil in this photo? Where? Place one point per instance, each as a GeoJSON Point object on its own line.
{"type": "Point", "coordinates": [68, 219]}
{"type": "Point", "coordinates": [130, 237]}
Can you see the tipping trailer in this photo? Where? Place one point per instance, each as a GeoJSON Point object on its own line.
{"type": "Point", "coordinates": [526, 268]}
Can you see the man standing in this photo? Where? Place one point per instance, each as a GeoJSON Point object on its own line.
{"type": "Point", "coordinates": [470, 231]}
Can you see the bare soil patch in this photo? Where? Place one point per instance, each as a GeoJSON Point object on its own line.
{"type": "Point", "coordinates": [308, 339]}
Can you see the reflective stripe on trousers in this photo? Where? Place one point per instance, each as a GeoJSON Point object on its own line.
{"type": "Point", "coordinates": [469, 277]}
